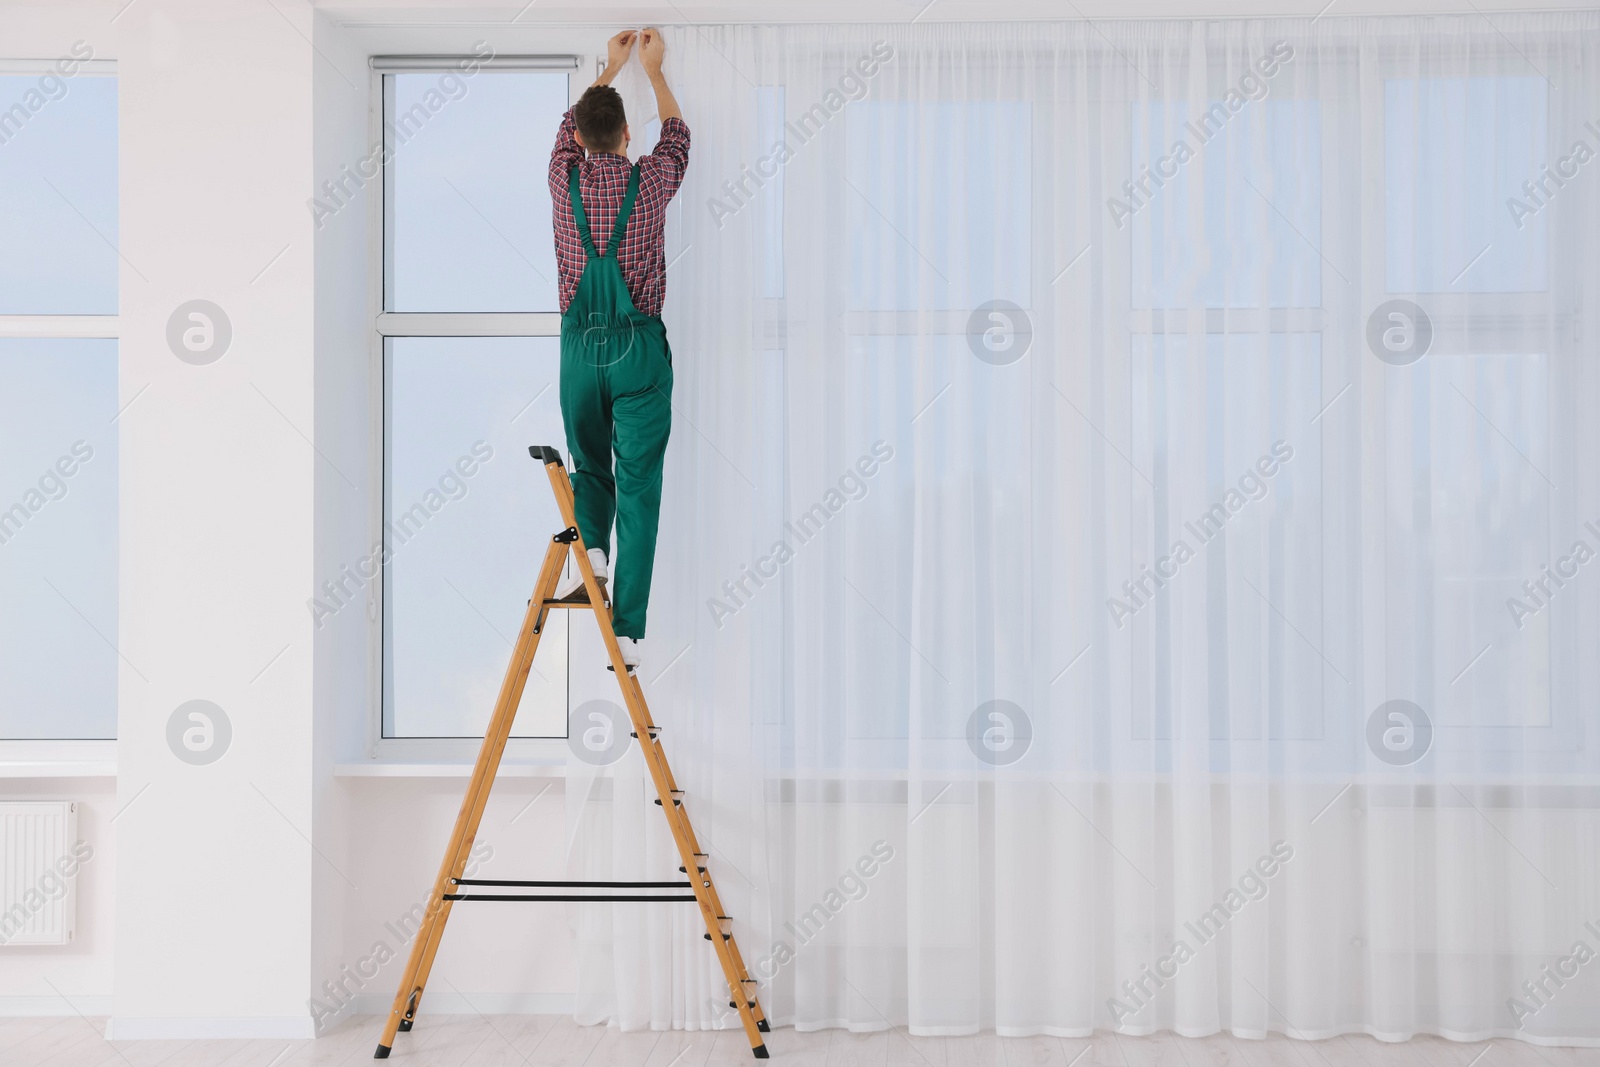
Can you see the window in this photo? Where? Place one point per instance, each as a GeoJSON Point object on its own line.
{"type": "Point", "coordinates": [1264, 163]}
{"type": "Point", "coordinates": [468, 317]}
{"type": "Point", "coordinates": [58, 400]}
{"type": "Point", "coordinates": [463, 507]}
{"type": "Point", "coordinates": [1467, 173]}
{"type": "Point", "coordinates": [911, 166]}
{"type": "Point", "coordinates": [468, 213]}
{"type": "Point", "coordinates": [1227, 289]}
{"type": "Point", "coordinates": [1469, 508]}
{"type": "Point", "coordinates": [1457, 152]}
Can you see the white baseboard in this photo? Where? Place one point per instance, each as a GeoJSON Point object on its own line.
{"type": "Point", "coordinates": [292, 1027]}
{"type": "Point", "coordinates": [14, 1007]}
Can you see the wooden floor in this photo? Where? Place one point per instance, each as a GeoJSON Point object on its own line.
{"type": "Point", "coordinates": [555, 1041]}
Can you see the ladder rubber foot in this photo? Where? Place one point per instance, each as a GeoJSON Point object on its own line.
{"type": "Point", "coordinates": [760, 1052]}
{"type": "Point", "coordinates": [382, 1053]}
{"type": "Point", "coordinates": [405, 1025]}
{"type": "Point", "coordinates": [761, 1024]}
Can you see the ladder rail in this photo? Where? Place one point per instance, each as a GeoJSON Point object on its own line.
{"type": "Point", "coordinates": [419, 964]}
{"type": "Point", "coordinates": [714, 900]}
{"type": "Point", "coordinates": [750, 1014]}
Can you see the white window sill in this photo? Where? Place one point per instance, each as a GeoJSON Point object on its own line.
{"type": "Point", "coordinates": [58, 759]}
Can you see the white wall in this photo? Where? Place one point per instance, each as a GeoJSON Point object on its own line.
{"type": "Point", "coordinates": [495, 958]}
{"type": "Point", "coordinates": [214, 887]}
{"type": "Point", "coordinates": [344, 419]}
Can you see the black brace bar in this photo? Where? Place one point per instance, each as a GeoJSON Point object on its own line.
{"type": "Point", "coordinates": [581, 885]}
{"type": "Point", "coordinates": [637, 898]}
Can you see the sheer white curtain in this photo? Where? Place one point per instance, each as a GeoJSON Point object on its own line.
{"type": "Point", "coordinates": [1058, 500]}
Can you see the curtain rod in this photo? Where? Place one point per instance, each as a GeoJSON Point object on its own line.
{"type": "Point", "coordinates": [443, 62]}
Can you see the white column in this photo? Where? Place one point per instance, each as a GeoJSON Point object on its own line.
{"type": "Point", "coordinates": [215, 862]}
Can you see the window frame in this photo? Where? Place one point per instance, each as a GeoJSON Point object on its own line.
{"type": "Point", "coordinates": [34, 757]}
{"type": "Point", "coordinates": [387, 325]}
{"type": "Point", "coordinates": [1468, 324]}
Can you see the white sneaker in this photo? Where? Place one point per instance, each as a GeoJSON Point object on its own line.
{"type": "Point", "coordinates": [630, 653]}
{"type": "Point", "coordinates": [573, 591]}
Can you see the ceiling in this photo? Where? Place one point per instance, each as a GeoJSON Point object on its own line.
{"type": "Point", "coordinates": [634, 13]}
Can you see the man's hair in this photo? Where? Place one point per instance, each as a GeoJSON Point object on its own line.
{"type": "Point", "coordinates": [600, 118]}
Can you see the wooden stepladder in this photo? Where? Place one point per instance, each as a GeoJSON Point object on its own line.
{"type": "Point", "coordinates": [447, 887]}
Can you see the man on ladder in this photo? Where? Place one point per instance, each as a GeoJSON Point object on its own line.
{"type": "Point", "coordinates": [616, 384]}
{"type": "Point", "coordinates": [616, 365]}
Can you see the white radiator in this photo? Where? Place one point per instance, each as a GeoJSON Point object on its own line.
{"type": "Point", "coordinates": [40, 855]}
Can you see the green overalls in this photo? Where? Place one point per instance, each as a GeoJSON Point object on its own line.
{"type": "Point", "coordinates": [616, 385]}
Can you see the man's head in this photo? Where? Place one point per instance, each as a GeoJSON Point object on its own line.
{"type": "Point", "coordinates": [602, 124]}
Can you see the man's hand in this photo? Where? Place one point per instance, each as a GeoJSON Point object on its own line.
{"type": "Point", "coordinates": [652, 46]}
{"type": "Point", "coordinates": [617, 50]}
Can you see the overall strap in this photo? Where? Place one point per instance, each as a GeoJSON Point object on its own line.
{"type": "Point", "coordinates": [578, 213]}
{"type": "Point", "coordinates": [623, 213]}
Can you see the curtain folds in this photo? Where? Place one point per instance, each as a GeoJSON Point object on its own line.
{"type": "Point", "coordinates": [1126, 556]}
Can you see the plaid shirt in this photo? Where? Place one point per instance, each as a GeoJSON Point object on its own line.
{"type": "Point", "coordinates": [603, 181]}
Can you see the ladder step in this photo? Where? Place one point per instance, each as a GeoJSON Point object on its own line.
{"type": "Point", "coordinates": [725, 925]}
{"type": "Point", "coordinates": [655, 732]}
{"type": "Point", "coordinates": [677, 798]}
{"type": "Point", "coordinates": [699, 864]}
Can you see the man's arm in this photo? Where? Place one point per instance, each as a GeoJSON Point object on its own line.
{"type": "Point", "coordinates": [661, 172]}
{"type": "Point", "coordinates": [651, 48]}
{"type": "Point", "coordinates": [567, 152]}
{"type": "Point", "coordinates": [617, 50]}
